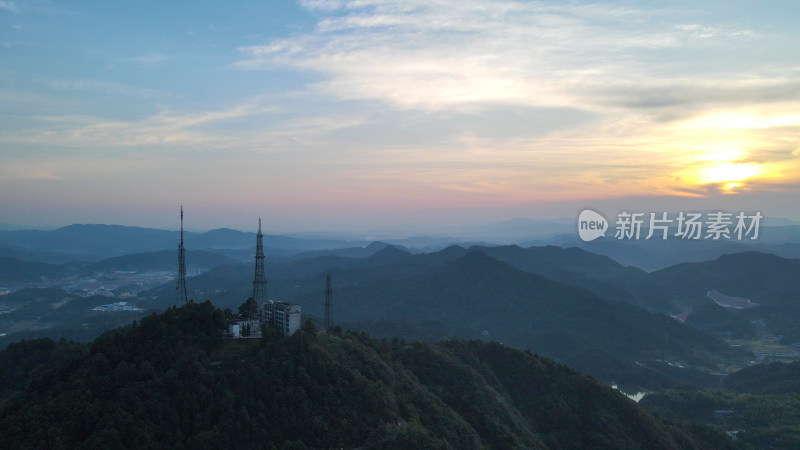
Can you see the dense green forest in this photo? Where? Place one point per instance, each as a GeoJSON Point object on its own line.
{"type": "Point", "coordinates": [772, 378]}
{"type": "Point", "coordinates": [762, 421]}
{"type": "Point", "coordinates": [173, 381]}
{"type": "Point", "coordinates": [760, 403]}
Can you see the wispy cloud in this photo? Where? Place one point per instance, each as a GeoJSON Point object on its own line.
{"type": "Point", "coordinates": [164, 128]}
{"type": "Point", "coordinates": [236, 128]}
{"type": "Point", "coordinates": [646, 74]}
{"type": "Point", "coordinates": [9, 6]}
{"type": "Point", "coordinates": [433, 56]}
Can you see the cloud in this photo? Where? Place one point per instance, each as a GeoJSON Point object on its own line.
{"type": "Point", "coordinates": [9, 6]}
{"type": "Point", "coordinates": [164, 128]}
{"type": "Point", "coordinates": [237, 128]}
{"type": "Point", "coordinates": [484, 101]}
{"type": "Point", "coordinates": [682, 96]}
{"type": "Point", "coordinates": [698, 31]}
{"type": "Point", "coordinates": [664, 86]}
{"type": "Point", "coordinates": [322, 5]}
{"type": "Point", "coordinates": [434, 56]}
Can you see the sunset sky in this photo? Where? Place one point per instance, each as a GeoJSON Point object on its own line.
{"type": "Point", "coordinates": [394, 114]}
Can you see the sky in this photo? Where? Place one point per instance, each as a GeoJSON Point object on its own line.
{"type": "Point", "coordinates": [394, 114]}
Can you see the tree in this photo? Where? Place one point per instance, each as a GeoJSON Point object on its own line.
{"type": "Point", "coordinates": [309, 327]}
{"type": "Point", "coordinates": [248, 309]}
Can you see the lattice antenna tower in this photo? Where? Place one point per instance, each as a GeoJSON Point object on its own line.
{"type": "Point", "coordinates": [260, 278]}
{"type": "Point", "coordinates": [328, 303]}
{"type": "Point", "coordinates": [181, 287]}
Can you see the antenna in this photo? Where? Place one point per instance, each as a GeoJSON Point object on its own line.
{"type": "Point", "coordinates": [181, 287]}
{"type": "Point", "coordinates": [260, 278]}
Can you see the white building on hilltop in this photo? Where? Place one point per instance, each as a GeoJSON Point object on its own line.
{"type": "Point", "coordinates": [282, 315]}
{"type": "Point", "coordinates": [244, 328]}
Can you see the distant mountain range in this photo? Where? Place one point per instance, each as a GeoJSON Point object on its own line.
{"type": "Point", "coordinates": [654, 254]}
{"type": "Point", "coordinates": [15, 227]}
{"type": "Point", "coordinates": [164, 260]}
{"type": "Point", "coordinates": [94, 242]}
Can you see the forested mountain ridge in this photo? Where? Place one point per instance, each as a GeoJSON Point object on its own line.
{"type": "Point", "coordinates": [172, 381]}
{"type": "Point", "coordinates": [475, 294]}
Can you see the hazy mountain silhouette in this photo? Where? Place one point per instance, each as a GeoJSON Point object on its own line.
{"type": "Point", "coordinates": [117, 240]}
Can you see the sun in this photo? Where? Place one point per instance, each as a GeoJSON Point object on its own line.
{"type": "Point", "coordinates": [723, 167]}
{"type": "Point", "coordinates": [728, 173]}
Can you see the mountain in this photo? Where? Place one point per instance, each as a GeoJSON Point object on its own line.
{"type": "Point", "coordinates": [44, 256]}
{"type": "Point", "coordinates": [472, 294]}
{"type": "Point", "coordinates": [14, 270]}
{"type": "Point", "coordinates": [165, 260]}
{"type": "Point", "coordinates": [227, 283]}
{"type": "Point", "coordinates": [747, 274]}
{"type": "Point", "coordinates": [171, 381]}
{"type": "Point", "coordinates": [596, 273]}
{"type": "Point", "coordinates": [108, 240]}
{"type": "Point", "coordinates": [307, 267]}
{"type": "Point", "coordinates": [221, 238]}
{"type": "Point", "coordinates": [773, 378]}
{"type": "Point", "coordinates": [225, 238]}
{"type": "Point", "coordinates": [528, 311]}
{"type": "Point", "coordinates": [768, 280]}
{"type": "Point", "coordinates": [515, 230]}
{"type": "Point", "coordinates": [350, 252]}
{"type": "Point", "coordinates": [655, 254]}
{"type": "Point", "coordinates": [388, 254]}
{"type": "Point", "coordinates": [91, 241]}
{"type": "Point", "coordinates": [14, 227]}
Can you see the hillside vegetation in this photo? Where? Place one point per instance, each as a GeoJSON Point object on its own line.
{"type": "Point", "coordinates": [172, 381]}
{"type": "Point", "coordinates": [761, 403]}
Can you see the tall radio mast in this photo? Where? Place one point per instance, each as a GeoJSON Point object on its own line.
{"type": "Point", "coordinates": [260, 278]}
{"type": "Point", "coordinates": [181, 287]}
